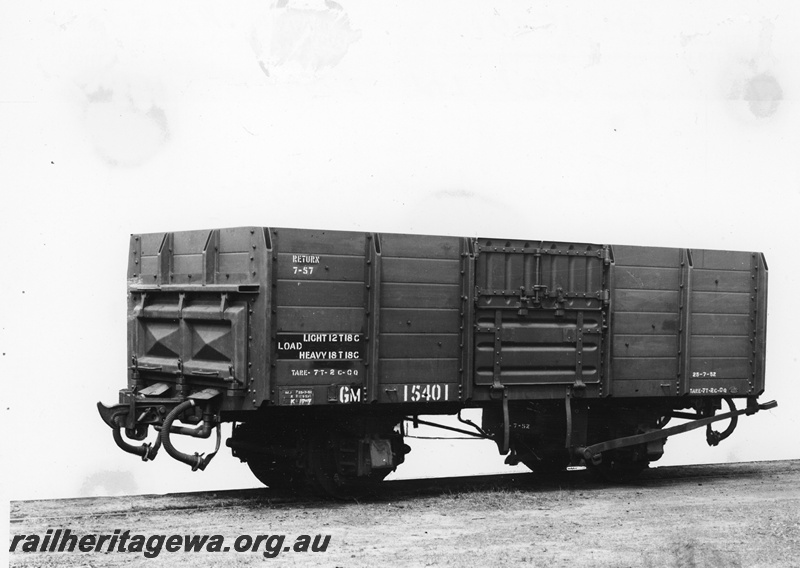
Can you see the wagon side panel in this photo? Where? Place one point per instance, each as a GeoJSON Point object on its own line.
{"type": "Point", "coordinates": [320, 318]}
{"type": "Point", "coordinates": [727, 324]}
{"type": "Point", "coordinates": [648, 320]}
{"type": "Point", "coordinates": [421, 319]}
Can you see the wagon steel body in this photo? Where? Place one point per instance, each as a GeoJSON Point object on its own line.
{"type": "Point", "coordinates": [318, 343]}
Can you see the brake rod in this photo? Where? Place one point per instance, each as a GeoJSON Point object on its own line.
{"type": "Point", "coordinates": [443, 427]}
{"type": "Point", "coordinates": [589, 452]}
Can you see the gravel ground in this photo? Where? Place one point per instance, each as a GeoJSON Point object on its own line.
{"type": "Point", "coordinates": [725, 515]}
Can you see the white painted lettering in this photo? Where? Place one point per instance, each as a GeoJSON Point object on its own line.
{"type": "Point", "coordinates": [305, 259]}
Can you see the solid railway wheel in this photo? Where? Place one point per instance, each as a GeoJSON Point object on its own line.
{"type": "Point", "coordinates": [323, 476]}
{"type": "Point", "coordinates": [548, 464]}
{"type": "Point", "coordinates": [276, 475]}
{"type": "Point", "coordinates": [617, 467]}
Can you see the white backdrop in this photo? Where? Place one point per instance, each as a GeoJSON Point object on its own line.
{"type": "Point", "coordinates": [659, 123]}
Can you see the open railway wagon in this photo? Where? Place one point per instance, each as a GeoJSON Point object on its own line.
{"type": "Point", "coordinates": [320, 345]}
